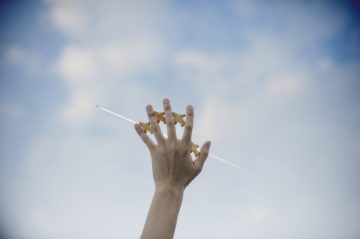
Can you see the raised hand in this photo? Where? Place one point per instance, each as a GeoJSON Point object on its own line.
{"type": "Point", "coordinates": [172, 164]}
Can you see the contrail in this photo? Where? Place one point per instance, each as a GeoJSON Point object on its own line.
{"type": "Point", "coordinates": [230, 163]}
{"type": "Point", "coordinates": [134, 122]}
{"type": "Point", "coordinates": [117, 115]}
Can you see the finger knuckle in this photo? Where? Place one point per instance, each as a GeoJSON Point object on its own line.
{"type": "Point", "coordinates": [170, 122]}
{"type": "Point", "coordinates": [167, 106]}
{"type": "Point", "coordinates": [206, 153]}
{"type": "Point", "coordinates": [190, 112]}
{"type": "Point", "coordinates": [188, 127]}
{"type": "Point", "coordinates": [183, 150]}
{"type": "Point", "coordinates": [185, 144]}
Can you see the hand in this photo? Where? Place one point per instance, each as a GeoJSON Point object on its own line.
{"type": "Point", "coordinates": [173, 167]}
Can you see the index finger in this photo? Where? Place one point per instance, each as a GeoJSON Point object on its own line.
{"type": "Point", "coordinates": [156, 128]}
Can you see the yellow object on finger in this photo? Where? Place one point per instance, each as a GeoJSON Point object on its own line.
{"type": "Point", "coordinates": [146, 127]}
{"type": "Point", "coordinates": [179, 118]}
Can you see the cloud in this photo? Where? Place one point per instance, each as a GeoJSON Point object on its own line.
{"type": "Point", "coordinates": [30, 61]}
{"type": "Point", "coordinates": [81, 106]}
{"type": "Point", "coordinates": [101, 64]}
{"type": "Point", "coordinates": [79, 190]}
{"type": "Point", "coordinates": [101, 74]}
{"type": "Point", "coordinates": [77, 64]}
{"type": "Point", "coordinates": [116, 20]}
{"type": "Point", "coordinates": [198, 61]}
{"type": "Point", "coordinates": [266, 93]}
{"type": "Point", "coordinates": [287, 85]}
{"type": "Point", "coordinates": [219, 120]}
{"type": "Point", "coordinates": [71, 17]}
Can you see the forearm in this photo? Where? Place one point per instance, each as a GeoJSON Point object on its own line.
{"type": "Point", "coordinates": [164, 210]}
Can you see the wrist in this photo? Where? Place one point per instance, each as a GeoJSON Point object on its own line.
{"type": "Point", "coordinates": [173, 190]}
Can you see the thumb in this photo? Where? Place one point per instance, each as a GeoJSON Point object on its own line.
{"type": "Point", "coordinates": [204, 152]}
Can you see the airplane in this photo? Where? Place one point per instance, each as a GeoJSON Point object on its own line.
{"type": "Point", "coordinates": [194, 149]}
{"type": "Point", "coordinates": [159, 116]}
{"type": "Point", "coordinates": [179, 118]}
{"type": "Point", "coordinates": [146, 127]}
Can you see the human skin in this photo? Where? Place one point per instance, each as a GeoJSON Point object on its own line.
{"type": "Point", "coordinates": [173, 170]}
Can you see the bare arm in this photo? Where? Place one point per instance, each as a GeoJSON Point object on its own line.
{"type": "Point", "coordinates": [173, 169]}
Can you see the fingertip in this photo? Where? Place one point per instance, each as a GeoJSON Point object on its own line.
{"type": "Point", "coordinates": [167, 105]}
{"type": "Point", "coordinates": [205, 149]}
{"type": "Point", "coordinates": [149, 110]}
{"type": "Point", "coordinates": [190, 110]}
{"type": "Point", "coordinates": [138, 128]}
{"type": "Point", "coordinates": [206, 146]}
{"type": "Point", "coordinates": [208, 143]}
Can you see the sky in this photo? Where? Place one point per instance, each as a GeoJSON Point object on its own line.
{"type": "Point", "coordinates": [274, 84]}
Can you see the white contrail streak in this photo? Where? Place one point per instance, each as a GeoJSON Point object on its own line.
{"type": "Point", "coordinates": [134, 122]}
{"type": "Point", "coordinates": [117, 115]}
{"type": "Point", "coordinates": [228, 162]}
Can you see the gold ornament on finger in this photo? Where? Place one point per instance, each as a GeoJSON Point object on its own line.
{"type": "Point", "coordinates": [178, 118]}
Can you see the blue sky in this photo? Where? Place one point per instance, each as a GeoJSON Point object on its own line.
{"type": "Point", "coordinates": [275, 86]}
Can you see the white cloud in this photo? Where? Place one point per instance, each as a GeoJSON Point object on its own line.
{"type": "Point", "coordinates": [198, 61]}
{"type": "Point", "coordinates": [129, 57]}
{"type": "Point", "coordinates": [286, 85]}
{"type": "Point", "coordinates": [103, 74]}
{"type": "Point", "coordinates": [219, 120]}
{"type": "Point", "coordinates": [81, 107]}
{"type": "Point", "coordinates": [291, 22]}
{"type": "Point", "coordinates": [91, 20]}
{"type": "Point", "coordinates": [30, 61]}
{"type": "Point", "coordinates": [77, 65]}
{"type": "Point", "coordinates": [108, 47]}
{"type": "Point", "coordinates": [70, 17]}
